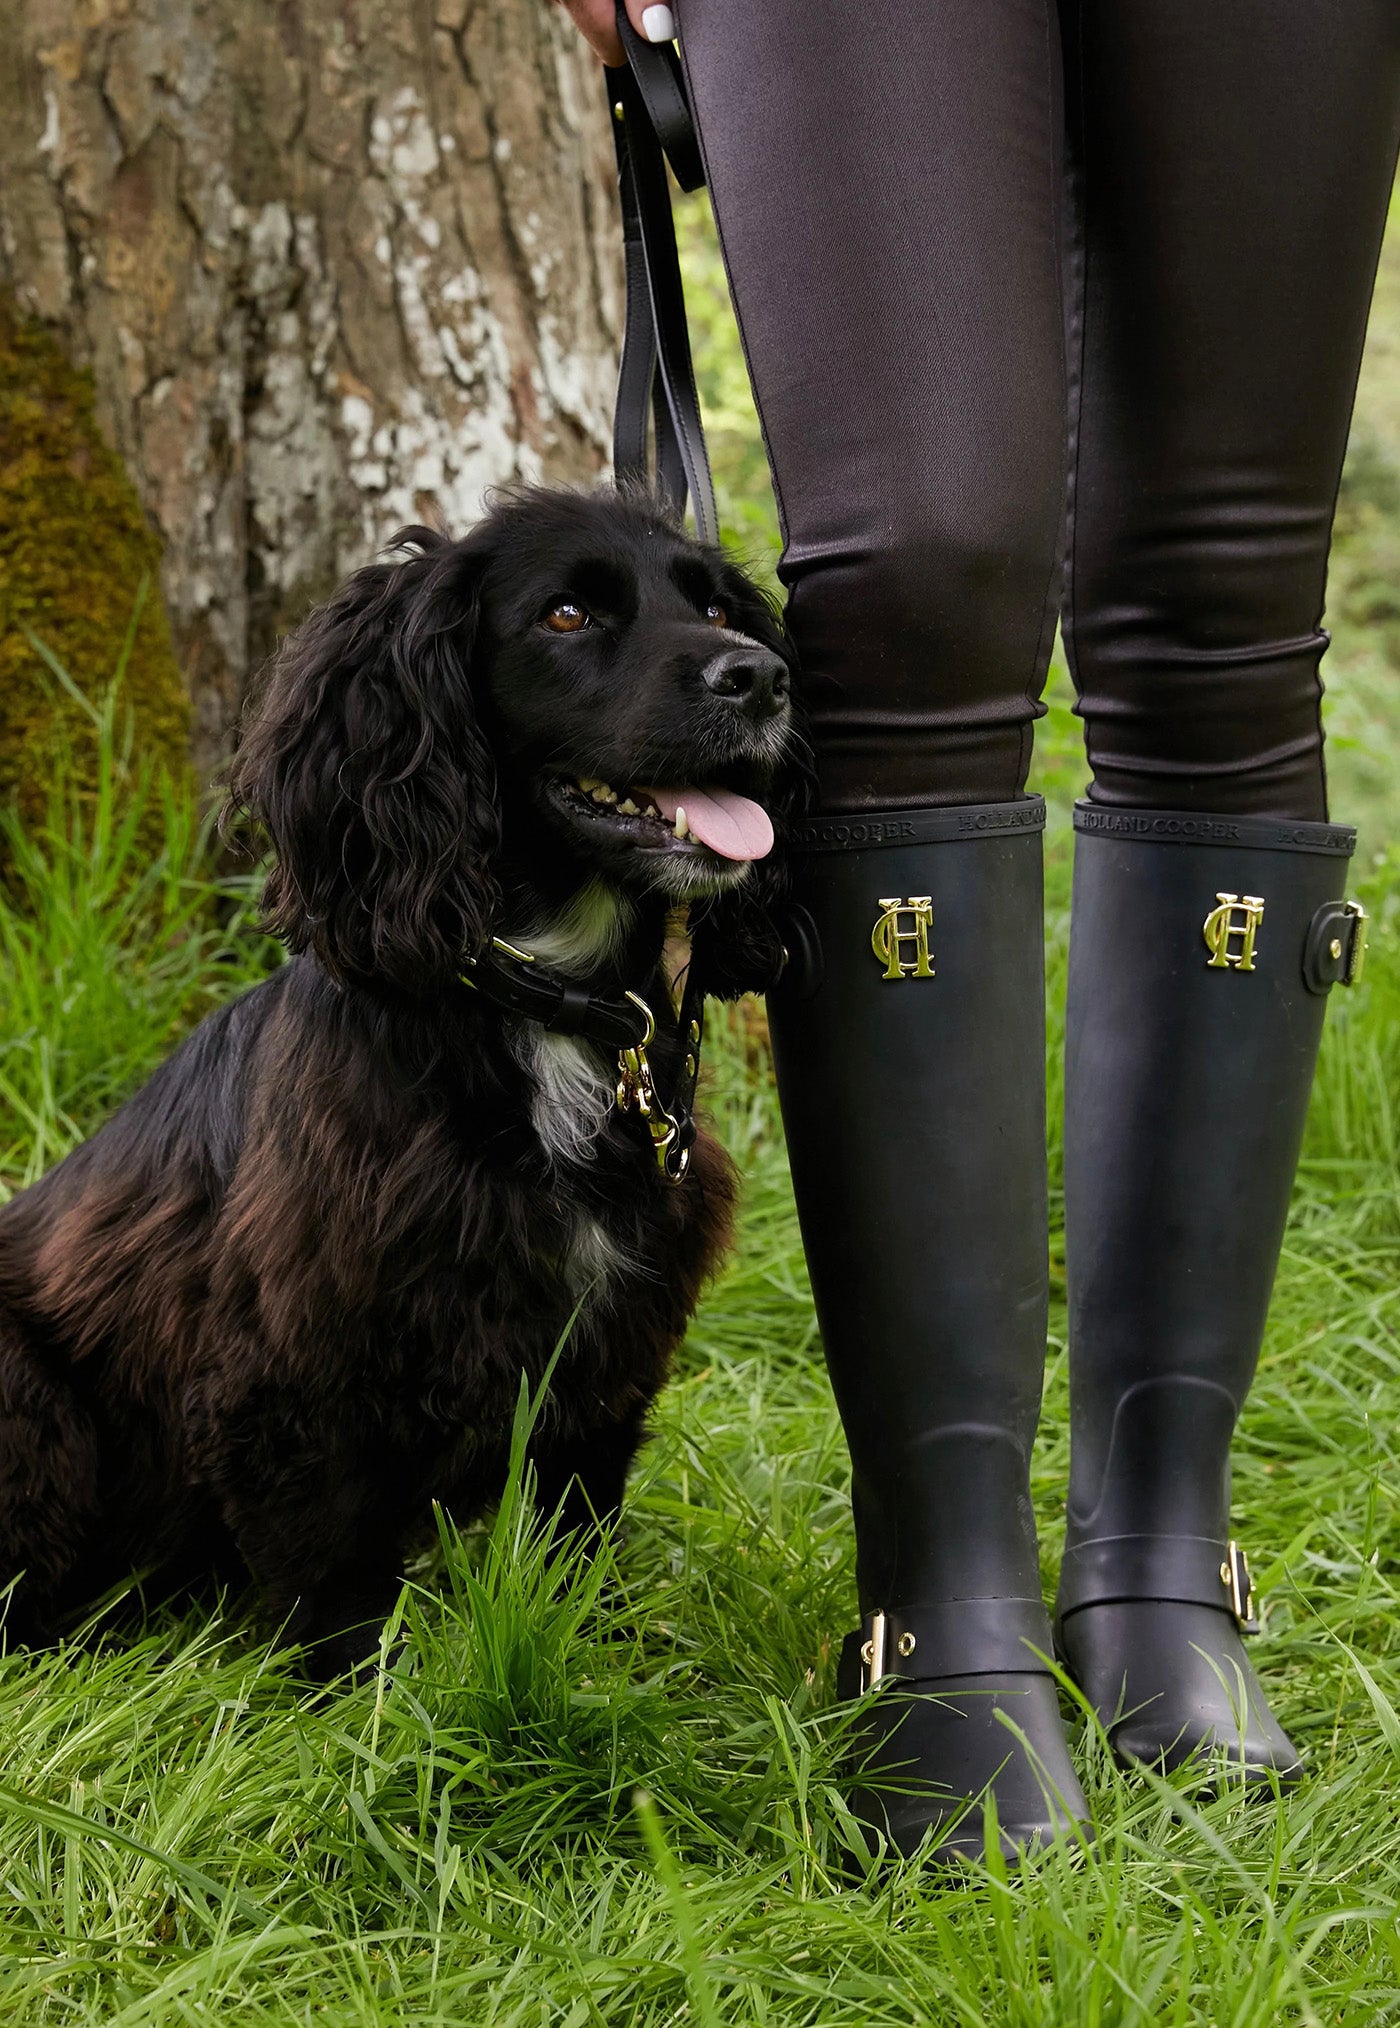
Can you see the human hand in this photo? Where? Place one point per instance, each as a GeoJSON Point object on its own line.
{"type": "Point", "coordinates": [598, 21]}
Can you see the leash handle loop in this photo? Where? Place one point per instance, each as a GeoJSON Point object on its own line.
{"type": "Point", "coordinates": [651, 123]}
{"type": "Point", "coordinates": [657, 68]}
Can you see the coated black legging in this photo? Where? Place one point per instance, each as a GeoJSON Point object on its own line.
{"type": "Point", "coordinates": [1054, 309]}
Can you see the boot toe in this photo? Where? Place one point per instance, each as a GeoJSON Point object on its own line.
{"type": "Point", "coordinates": [928, 1757]}
{"type": "Point", "coordinates": [1172, 1684]}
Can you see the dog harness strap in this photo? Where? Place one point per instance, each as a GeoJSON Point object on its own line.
{"type": "Point", "coordinates": [650, 114]}
{"type": "Point", "coordinates": [692, 1027]}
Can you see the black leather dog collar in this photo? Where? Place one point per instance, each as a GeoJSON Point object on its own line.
{"type": "Point", "coordinates": [625, 1023]}
{"type": "Point", "coordinates": [512, 979]}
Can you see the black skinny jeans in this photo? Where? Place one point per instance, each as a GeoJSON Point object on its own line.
{"type": "Point", "coordinates": [1054, 309]}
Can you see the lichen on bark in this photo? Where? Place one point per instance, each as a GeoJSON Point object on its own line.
{"type": "Point", "coordinates": [75, 550]}
{"type": "Point", "coordinates": [334, 265]}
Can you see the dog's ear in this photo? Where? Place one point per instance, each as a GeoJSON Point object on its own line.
{"type": "Point", "coordinates": [364, 761]}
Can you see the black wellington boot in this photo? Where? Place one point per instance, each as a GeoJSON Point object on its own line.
{"type": "Point", "coordinates": [908, 1032]}
{"type": "Point", "coordinates": [1202, 950]}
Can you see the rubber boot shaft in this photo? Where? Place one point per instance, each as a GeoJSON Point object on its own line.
{"type": "Point", "coordinates": [1201, 955]}
{"type": "Point", "coordinates": [908, 1035]}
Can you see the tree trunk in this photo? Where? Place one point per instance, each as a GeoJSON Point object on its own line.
{"type": "Point", "coordinates": [334, 265]}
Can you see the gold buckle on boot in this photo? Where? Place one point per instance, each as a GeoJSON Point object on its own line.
{"type": "Point", "coordinates": [872, 1652]}
{"type": "Point", "coordinates": [875, 1651]}
{"type": "Point", "coordinates": [1234, 1575]}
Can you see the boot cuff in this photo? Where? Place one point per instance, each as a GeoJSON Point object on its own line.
{"type": "Point", "coordinates": [864, 828]}
{"type": "Point", "coordinates": [1200, 827]}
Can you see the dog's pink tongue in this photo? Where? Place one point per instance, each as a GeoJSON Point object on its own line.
{"type": "Point", "coordinates": [729, 824]}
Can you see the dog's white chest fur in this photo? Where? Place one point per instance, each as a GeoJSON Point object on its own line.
{"type": "Point", "coordinates": [573, 1093]}
{"type": "Point", "coordinates": [594, 1261]}
{"type": "Point", "coordinates": [574, 1085]}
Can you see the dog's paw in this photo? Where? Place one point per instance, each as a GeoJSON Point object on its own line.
{"type": "Point", "coordinates": [334, 1647]}
{"type": "Point", "coordinates": [342, 1658]}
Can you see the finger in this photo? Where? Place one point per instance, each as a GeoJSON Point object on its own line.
{"type": "Point", "coordinates": [597, 21]}
{"type": "Point", "coordinates": [653, 20]}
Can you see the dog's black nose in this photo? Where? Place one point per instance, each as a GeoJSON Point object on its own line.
{"type": "Point", "coordinates": [753, 678]}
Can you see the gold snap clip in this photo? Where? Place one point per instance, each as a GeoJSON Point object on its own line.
{"type": "Point", "coordinates": [873, 1651]}
{"type": "Point", "coordinates": [636, 1092]}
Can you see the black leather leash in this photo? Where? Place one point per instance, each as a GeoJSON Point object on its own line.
{"type": "Point", "coordinates": [623, 1023]}
{"type": "Point", "coordinates": [652, 124]}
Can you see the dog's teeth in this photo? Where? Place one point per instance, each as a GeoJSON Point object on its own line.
{"type": "Point", "coordinates": [588, 783]}
{"type": "Point", "coordinates": [682, 822]}
{"type": "Point", "coordinates": [627, 808]}
{"type": "Point", "coordinates": [601, 793]}
{"type": "Point", "coordinates": [609, 795]}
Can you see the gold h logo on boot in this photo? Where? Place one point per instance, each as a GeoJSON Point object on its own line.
{"type": "Point", "coordinates": [901, 923]}
{"type": "Point", "coordinates": [1237, 918]}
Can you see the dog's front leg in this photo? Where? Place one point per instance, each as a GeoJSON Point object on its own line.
{"type": "Point", "coordinates": [314, 1513]}
{"type": "Point", "coordinates": [579, 1481]}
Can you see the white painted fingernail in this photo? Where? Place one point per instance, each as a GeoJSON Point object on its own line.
{"type": "Point", "coordinates": [658, 24]}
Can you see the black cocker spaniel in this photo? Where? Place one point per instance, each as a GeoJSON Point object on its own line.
{"type": "Point", "coordinates": [283, 1300]}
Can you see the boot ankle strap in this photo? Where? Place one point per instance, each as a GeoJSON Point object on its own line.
{"type": "Point", "coordinates": [1187, 1569]}
{"type": "Point", "coordinates": [958, 1637]}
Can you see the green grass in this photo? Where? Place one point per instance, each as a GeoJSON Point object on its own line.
{"type": "Point", "coordinates": [108, 953]}
{"type": "Point", "coordinates": [615, 1800]}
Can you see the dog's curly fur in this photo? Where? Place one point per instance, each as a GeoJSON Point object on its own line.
{"type": "Point", "coordinates": [285, 1297]}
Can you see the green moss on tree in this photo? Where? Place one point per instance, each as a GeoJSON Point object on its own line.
{"type": "Point", "coordinates": [75, 549]}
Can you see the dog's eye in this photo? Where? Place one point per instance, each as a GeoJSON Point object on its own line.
{"type": "Point", "coordinates": [565, 616]}
{"type": "Point", "coordinates": [717, 616]}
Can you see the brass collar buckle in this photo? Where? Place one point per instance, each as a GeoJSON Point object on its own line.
{"type": "Point", "coordinates": [1234, 1575]}
{"type": "Point", "coordinates": [636, 1089]}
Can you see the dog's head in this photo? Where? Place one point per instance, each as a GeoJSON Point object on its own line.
{"type": "Point", "coordinates": [574, 690]}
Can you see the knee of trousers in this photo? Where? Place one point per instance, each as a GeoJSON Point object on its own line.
{"type": "Point", "coordinates": [923, 642]}
{"type": "Point", "coordinates": [1200, 715]}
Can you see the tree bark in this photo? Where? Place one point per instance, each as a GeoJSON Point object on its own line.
{"type": "Point", "coordinates": [334, 265]}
